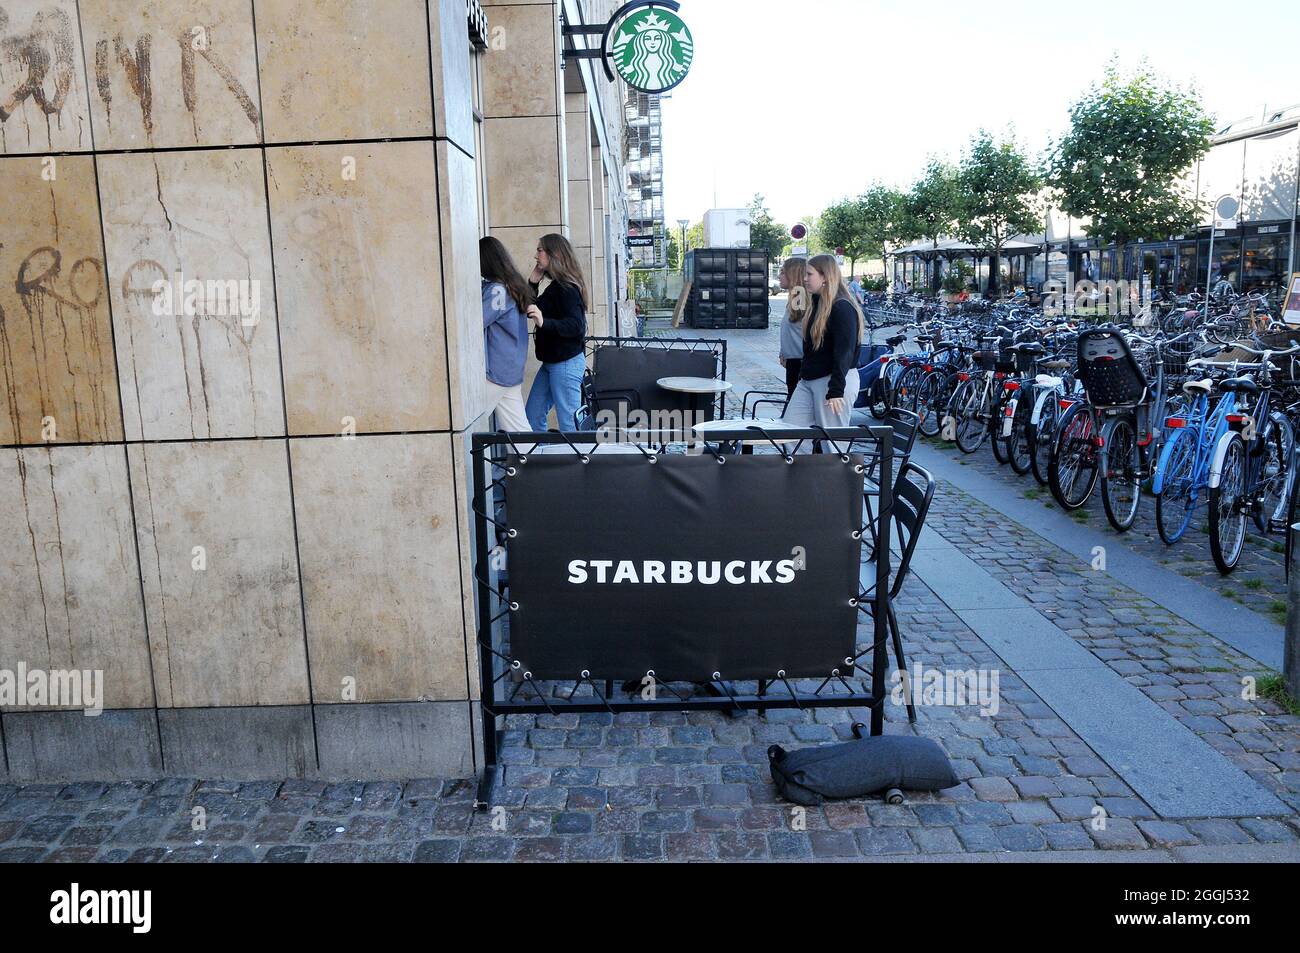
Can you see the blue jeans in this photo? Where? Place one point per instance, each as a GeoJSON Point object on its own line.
{"type": "Point", "coordinates": [557, 385]}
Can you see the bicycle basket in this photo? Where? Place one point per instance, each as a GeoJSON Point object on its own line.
{"type": "Point", "coordinates": [1108, 369]}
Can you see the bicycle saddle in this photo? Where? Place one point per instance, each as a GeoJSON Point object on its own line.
{"type": "Point", "coordinates": [896, 340]}
{"type": "Point", "coordinates": [924, 338]}
{"type": "Point", "coordinates": [1056, 365]}
{"type": "Point", "coordinates": [1028, 347]}
{"type": "Point", "coordinates": [1239, 385]}
{"type": "Point", "coordinates": [1202, 386]}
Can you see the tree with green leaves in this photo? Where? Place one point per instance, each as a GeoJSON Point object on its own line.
{"type": "Point", "coordinates": [884, 215]}
{"type": "Point", "coordinates": [1131, 140]}
{"type": "Point", "coordinates": [931, 206]}
{"type": "Point", "coordinates": [998, 198]}
{"type": "Point", "coordinates": [844, 225]}
{"type": "Point", "coordinates": [765, 232]}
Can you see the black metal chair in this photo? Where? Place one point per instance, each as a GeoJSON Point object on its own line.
{"type": "Point", "coordinates": [913, 494]}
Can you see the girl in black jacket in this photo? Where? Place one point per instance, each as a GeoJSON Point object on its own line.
{"type": "Point", "coordinates": [828, 379]}
{"type": "Point", "coordinates": [560, 321]}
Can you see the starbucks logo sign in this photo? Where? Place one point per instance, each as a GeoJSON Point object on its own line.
{"type": "Point", "coordinates": [652, 50]}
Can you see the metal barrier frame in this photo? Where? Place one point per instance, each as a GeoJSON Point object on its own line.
{"type": "Point", "coordinates": [492, 457]}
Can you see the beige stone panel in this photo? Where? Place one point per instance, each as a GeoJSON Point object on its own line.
{"type": "Point", "coordinates": [344, 69]}
{"type": "Point", "coordinates": [525, 183]}
{"type": "Point", "coordinates": [521, 73]}
{"type": "Point", "coordinates": [56, 343]}
{"type": "Point", "coordinates": [452, 90]}
{"type": "Point", "coordinates": [521, 243]}
{"type": "Point", "coordinates": [580, 214]}
{"type": "Point", "coordinates": [458, 201]}
{"type": "Point", "coordinates": [193, 364]}
{"type": "Point", "coordinates": [462, 446]}
{"type": "Point", "coordinates": [43, 100]}
{"type": "Point", "coordinates": [226, 630]}
{"type": "Point", "coordinates": [68, 569]}
{"type": "Point", "coordinates": [168, 73]}
{"type": "Point", "coordinates": [378, 538]}
{"type": "Point", "coordinates": [360, 300]}
{"type": "Point", "coordinates": [577, 129]}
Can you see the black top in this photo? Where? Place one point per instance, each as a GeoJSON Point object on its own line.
{"type": "Point", "coordinates": [564, 323]}
{"type": "Point", "coordinates": [839, 351]}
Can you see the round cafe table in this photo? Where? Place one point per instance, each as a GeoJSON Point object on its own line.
{"type": "Point", "coordinates": [699, 388]}
{"type": "Point", "coordinates": [773, 426]}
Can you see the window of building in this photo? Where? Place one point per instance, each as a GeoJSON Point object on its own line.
{"type": "Point", "coordinates": [1264, 263]}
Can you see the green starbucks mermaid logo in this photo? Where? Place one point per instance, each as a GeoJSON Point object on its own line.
{"type": "Point", "coordinates": [653, 50]}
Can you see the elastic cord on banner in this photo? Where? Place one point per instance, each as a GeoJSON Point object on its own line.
{"type": "Point", "coordinates": [581, 456]}
{"type": "Point", "coordinates": [789, 458]}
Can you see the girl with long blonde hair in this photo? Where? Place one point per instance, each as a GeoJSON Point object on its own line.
{"type": "Point", "coordinates": [828, 379]}
{"type": "Point", "coordinates": [796, 308]}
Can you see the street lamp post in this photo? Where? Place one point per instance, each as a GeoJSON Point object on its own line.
{"type": "Point", "coordinates": [681, 252]}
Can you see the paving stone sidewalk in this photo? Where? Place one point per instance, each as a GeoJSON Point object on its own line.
{"type": "Point", "coordinates": [676, 786]}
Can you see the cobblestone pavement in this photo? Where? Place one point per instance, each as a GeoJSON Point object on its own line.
{"type": "Point", "coordinates": [677, 786]}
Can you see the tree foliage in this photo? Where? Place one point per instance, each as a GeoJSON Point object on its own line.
{"type": "Point", "coordinates": [998, 196]}
{"type": "Point", "coordinates": [765, 232]}
{"type": "Point", "coordinates": [1131, 140]}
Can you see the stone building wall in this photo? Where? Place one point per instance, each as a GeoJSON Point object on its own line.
{"type": "Point", "coordinates": [250, 509]}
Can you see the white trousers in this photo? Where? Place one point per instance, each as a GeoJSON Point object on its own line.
{"type": "Point", "coordinates": [508, 402]}
{"type": "Point", "coordinates": [808, 403]}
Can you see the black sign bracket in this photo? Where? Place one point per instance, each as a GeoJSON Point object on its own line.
{"type": "Point", "coordinates": [604, 30]}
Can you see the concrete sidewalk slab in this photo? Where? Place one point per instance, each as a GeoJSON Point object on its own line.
{"type": "Point", "coordinates": [1247, 631]}
{"type": "Point", "coordinates": [1169, 766]}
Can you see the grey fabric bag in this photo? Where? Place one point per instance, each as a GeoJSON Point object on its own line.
{"type": "Point", "coordinates": [856, 768]}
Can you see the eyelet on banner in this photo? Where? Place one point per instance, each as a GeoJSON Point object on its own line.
{"type": "Point", "coordinates": [528, 676]}
{"type": "Point", "coordinates": [511, 471]}
{"type": "Point", "coordinates": [844, 458]}
{"type": "Point", "coordinates": [853, 602]}
{"type": "Point", "coordinates": [512, 533]}
{"type": "Point", "coordinates": [585, 458]}
{"type": "Point", "coordinates": [857, 534]}
{"type": "Point", "coordinates": [516, 664]}
{"type": "Point", "coordinates": [859, 469]}
{"type": "Point", "coordinates": [653, 458]}
{"type": "Point", "coordinates": [514, 607]}
{"type": "Point", "coordinates": [649, 673]}
{"type": "Point", "coordinates": [780, 673]}
{"type": "Point", "coordinates": [849, 661]}
{"type": "Point", "coordinates": [717, 676]}
{"type": "Point", "coordinates": [789, 459]}
{"type": "Point", "coordinates": [721, 459]}
{"type": "Point", "coordinates": [835, 672]}
{"type": "Point", "coordinates": [586, 673]}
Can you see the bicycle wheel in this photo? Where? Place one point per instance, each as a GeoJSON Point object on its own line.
{"type": "Point", "coordinates": [1020, 452]}
{"type": "Point", "coordinates": [967, 402]}
{"type": "Point", "coordinates": [878, 401]}
{"type": "Point", "coordinates": [1227, 514]}
{"type": "Point", "coordinates": [1276, 473]}
{"type": "Point", "coordinates": [904, 393]}
{"type": "Point", "coordinates": [1072, 474]}
{"type": "Point", "coordinates": [997, 442]}
{"type": "Point", "coordinates": [1121, 481]}
{"type": "Point", "coordinates": [928, 405]}
{"type": "Point", "coordinates": [1042, 439]}
{"type": "Point", "coordinates": [1176, 500]}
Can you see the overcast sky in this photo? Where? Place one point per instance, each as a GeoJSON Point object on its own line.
{"type": "Point", "coordinates": [902, 80]}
